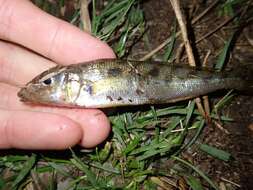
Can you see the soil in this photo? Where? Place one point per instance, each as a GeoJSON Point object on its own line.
{"type": "Point", "coordinates": [234, 137]}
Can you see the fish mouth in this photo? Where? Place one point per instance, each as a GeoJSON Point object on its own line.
{"type": "Point", "coordinates": [23, 95]}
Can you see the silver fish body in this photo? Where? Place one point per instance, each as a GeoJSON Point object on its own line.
{"type": "Point", "coordinates": [112, 82]}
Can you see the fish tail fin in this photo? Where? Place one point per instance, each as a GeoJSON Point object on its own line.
{"type": "Point", "coordinates": [245, 75]}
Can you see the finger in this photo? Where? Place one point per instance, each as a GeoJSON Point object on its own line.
{"type": "Point", "coordinates": [93, 122]}
{"type": "Point", "coordinates": [25, 24]}
{"type": "Point", "coordinates": [19, 65]}
{"type": "Point", "coordinates": [34, 130]}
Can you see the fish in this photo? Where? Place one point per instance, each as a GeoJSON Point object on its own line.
{"type": "Point", "coordinates": [109, 83]}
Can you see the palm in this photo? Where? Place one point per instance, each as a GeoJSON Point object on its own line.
{"type": "Point", "coordinates": [36, 127]}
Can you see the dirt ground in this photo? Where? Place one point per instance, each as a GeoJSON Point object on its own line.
{"type": "Point", "coordinates": [235, 137]}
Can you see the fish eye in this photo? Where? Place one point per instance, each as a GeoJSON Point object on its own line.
{"type": "Point", "coordinates": [47, 81]}
{"type": "Point", "coordinates": [89, 89]}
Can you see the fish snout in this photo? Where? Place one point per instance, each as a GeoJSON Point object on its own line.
{"type": "Point", "coordinates": [23, 94]}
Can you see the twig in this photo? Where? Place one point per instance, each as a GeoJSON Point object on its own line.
{"type": "Point", "coordinates": [160, 183]}
{"type": "Point", "coordinates": [231, 182]}
{"type": "Point", "coordinates": [169, 181]}
{"type": "Point", "coordinates": [182, 129]}
{"type": "Point", "coordinates": [217, 28]}
{"type": "Point", "coordinates": [168, 40]}
{"type": "Point", "coordinates": [206, 106]}
{"type": "Point", "coordinates": [222, 186]}
{"type": "Point", "coordinates": [197, 18]}
{"type": "Point", "coordinates": [179, 52]}
{"type": "Point", "coordinates": [181, 21]}
{"type": "Point", "coordinates": [85, 17]}
{"type": "Point", "coordinates": [36, 181]}
{"type": "Point", "coordinates": [218, 125]}
{"type": "Point", "coordinates": [158, 48]}
{"type": "Point", "coordinates": [200, 107]}
{"type": "Point", "coordinates": [250, 41]}
{"type": "Point", "coordinates": [206, 58]}
{"type": "Point", "coordinates": [205, 98]}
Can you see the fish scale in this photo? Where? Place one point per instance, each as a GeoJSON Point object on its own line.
{"type": "Point", "coordinates": [113, 82]}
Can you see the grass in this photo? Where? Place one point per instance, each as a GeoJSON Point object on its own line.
{"type": "Point", "coordinates": [145, 146]}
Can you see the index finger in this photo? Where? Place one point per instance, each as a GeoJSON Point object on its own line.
{"type": "Point", "coordinates": [25, 24]}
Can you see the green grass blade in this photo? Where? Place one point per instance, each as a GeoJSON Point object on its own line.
{"type": "Point", "coordinates": [190, 110]}
{"type": "Point", "coordinates": [2, 183]}
{"type": "Point", "coordinates": [164, 112]}
{"type": "Point", "coordinates": [215, 152]}
{"type": "Point", "coordinates": [59, 169]}
{"type": "Point", "coordinates": [52, 184]}
{"type": "Point", "coordinates": [12, 158]}
{"type": "Point", "coordinates": [224, 101]}
{"type": "Point", "coordinates": [200, 126]}
{"type": "Point", "coordinates": [170, 46]}
{"type": "Point", "coordinates": [120, 48]}
{"type": "Point", "coordinates": [204, 176]}
{"type": "Point", "coordinates": [175, 121]}
{"type": "Point", "coordinates": [224, 54]}
{"type": "Point", "coordinates": [105, 167]}
{"type": "Point", "coordinates": [194, 183]}
{"type": "Point", "coordinates": [91, 177]}
{"type": "Point", "coordinates": [132, 145]}
{"type": "Point", "coordinates": [28, 165]}
{"type": "Point", "coordinates": [161, 148]}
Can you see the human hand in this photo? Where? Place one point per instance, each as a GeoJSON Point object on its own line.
{"type": "Point", "coordinates": [36, 127]}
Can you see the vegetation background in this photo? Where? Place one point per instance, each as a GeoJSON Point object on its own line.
{"type": "Point", "coordinates": [168, 147]}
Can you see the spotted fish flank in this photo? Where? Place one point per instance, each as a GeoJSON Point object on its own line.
{"type": "Point", "coordinates": [112, 82]}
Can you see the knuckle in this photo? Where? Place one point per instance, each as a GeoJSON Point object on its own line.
{"type": "Point", "coordinates": [6, 131]}
{"type": "Point", "coordinates": [6, 12]}
{"type": "Point", "coordinates": [6, 70]}
{"type": "Point", "coordinates": [5, 96]}
{"type": "Point", "coordinates": [54, 40]}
